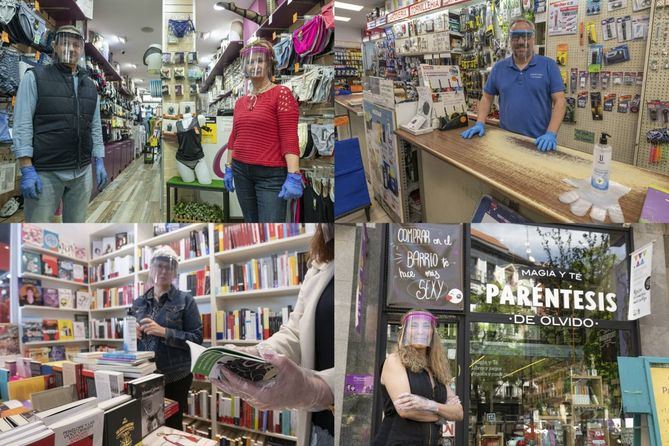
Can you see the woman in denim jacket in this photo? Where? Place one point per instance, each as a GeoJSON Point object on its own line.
{"type": "Point", "coordinates": [167, 319]}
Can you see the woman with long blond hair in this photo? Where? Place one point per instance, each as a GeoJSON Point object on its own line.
{"type": "Point", "coordinates": [415, 384]}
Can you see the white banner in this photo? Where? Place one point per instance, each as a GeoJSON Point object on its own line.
{"type": "Point", "coordinates": [642, 261]}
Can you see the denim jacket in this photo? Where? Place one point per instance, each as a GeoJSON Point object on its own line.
{"type": "Point", "coordinates": [179, 314]}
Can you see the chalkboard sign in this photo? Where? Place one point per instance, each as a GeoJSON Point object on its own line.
{"type": "Point", "coordinates": [425, 267]}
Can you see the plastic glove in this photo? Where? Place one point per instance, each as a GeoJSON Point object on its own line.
{"type": "Point", "coordinates": [478, 129]}
{"type": "Point", "coordinates": [292, 188]}
{"type": "Point", "coordinates": [228, 181]}
{"type": "Point", "coordinates": [293, 387]}
{"type": "Point", "coordinates": [100, 172]}
{"type": "Point", "coordinates": [409, 401]}
{"type": "Point", "coordinates": [546, 142]}
{"type": "Point", "coordinates": [31, 184]}
{"type": "Point", "coordinates": [602, 202]}
{"type": "Point", "coordinates": [252, 350]}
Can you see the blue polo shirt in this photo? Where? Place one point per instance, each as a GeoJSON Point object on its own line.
{"type": "Point", "coordinates": [525, 102]}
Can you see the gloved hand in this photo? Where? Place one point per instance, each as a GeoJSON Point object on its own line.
{"type": "Point", "coordinates": [228, 181]}
{"type": "Point", "coordinates": [31, 184]}
{"type": "Point", "coordinates": [477, 129]}
{"type": "Point", "coordinates": [409, 401]}
{"type": "Point", "coordinates": [251, 350]}
{"type": "Point", "coordinates": [293, 387]}
{"type": "Point", "coordinates": [100, 172]}
{"type": "Point", "coordinates": [602, 202]}
{"type": "Point", "coordinates": [292, 188]}
{"type": "Point", "coordinates": [546, 142]}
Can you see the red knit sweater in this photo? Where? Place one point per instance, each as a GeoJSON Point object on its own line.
{"type": "Point", "coordinates": [264, 135]}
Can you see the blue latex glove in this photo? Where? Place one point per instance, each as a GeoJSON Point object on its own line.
{"type": "Point", "coordinates": [547, 142]}
{"type": "Point", "coordinates": [292, 187]}
{"type": "Point", "coordinates": [228, 180]}
{"type": "Point", "coordinates": [31, 184]}
{"type": "Point", "coordinates": [100, 172]}
{"type": "Point", "coordinates": [478, 129]}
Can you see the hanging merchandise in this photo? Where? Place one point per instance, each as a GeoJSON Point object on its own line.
{"type": "Point", "coordinates": [167, 58]}
{"type": "Point", "coordinates": [614, 5]}
{"type": "Point", "coordinates": [562, 17]}
{"type": "Point", "coordinates": [638, 5]}
{"type": "Point", "coordinates": [178, 57]}
{"type": "Point", "coordinates": [9, 71]}
{"type": "Point", "coordinates": [624, 28]}
{"type": "Point", "coordinates": [609, 101]}
{"type": "Point", "coordinates": [596, 106]}
{"type": "Point", "coordinates": [623, 103]}
{"type": "Point", "coordinates": [635, 103]}
{"type": "Point", "coordinates": [582, 99]}
{"type": "Point", "coordinates": [658, 138]}
{"type": "Point", "coordinates": [155, 88]}
{"type": "Point", "coordinates": [29, 28]}
{"type": "Point", "coordinates": [605, 78]}
{"type": "Point", "coordinates": [5, 130]}
{"type": "Point", "coordinates": [7, 11]}
{"type": "Point", "coordinates": [617, 78]}
{"type": "Point", "coordinates": [594, 81]}
{"type": "Point", "coordinates": [595, 58]}
{"type": "Point", "coordinates": [562, 52]}
{"type": "Point", "coordinates": [593, 7]}
{"type": "Point", "coordinates": [591, 32]}
{"type": "Point", "coordinates": [178, 90]}
{"type": "Point", "coordinates": [195, 73]}
{"type": "Point", "coordinates": [165, 73]}
{"type": "Point", "coordinates": [323, 137]}
{"type": "Point", "coordinates": [191, 57]}
{"type": "Point", "coordinates": [628, 78]}
{"type": "Point", "coordinates": [570, 114]}
{"type": "Point", "coordinates": [179, 72]}
{"type": "Point", "coordinates": [153, 58]}
{"type": "Point", "coordinates": [609, 28]}
{"type": "Point", "coordinates": [165, 89]}
{"type": "Point", "coordinates": [312, 37]}
{"type": "Point", "coordinates": [573, 80]}
{"type": "Point", "coordinates": [180, 28]}
{"type": "Point", "coordinates": [283, 51]}
{"type": "Point", "coordinates": [618, 54]}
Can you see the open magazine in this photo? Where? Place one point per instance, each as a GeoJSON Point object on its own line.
{"type": "Point", "coordinates": [204, 361]}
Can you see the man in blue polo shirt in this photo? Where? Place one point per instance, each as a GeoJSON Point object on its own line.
{"type": "Point", "coordinates": [530, 90]}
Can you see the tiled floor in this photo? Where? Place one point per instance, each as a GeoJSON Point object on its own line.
{"type": "Point", "coordinates": [377, 213]}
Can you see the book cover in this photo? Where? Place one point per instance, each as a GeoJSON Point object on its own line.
{"type": "Point", "coordinates": [66, 297]}
{"type": "Point", "coordinates": [108, 245]}
{"type": "Point", "coordinates": [121, 240]}
{"type": "Point", "coordinates": [50, 297]}
{"type": "Point", "coordinates": [32, 331]}
{"type": "Point", "coordinates": [82, 318]}
{"type": "Point", "coordinates": [30, 292]}
{"type": "Point", "coordinates": [97, 248]}
{"type": "Point", "coordinates": [83, 429]}
{"type": "Point", "coordinates": [150, 391]}
{"type": "Point", "coordinates": [65, 269]}
{"type": "Point", "coordinates": [108, 384]}
{"type": "Point", "coordinates": [79, 330]}
{"type": "Point", "coordinates": [65, 330]}
{"type": "Point", "coordinates": [80, 252]}
{"type": "Point", "coordinates": [50, 329]}
{"type": "Point", "coordinates": [57, 351]}
{"type": "Point", "coordinates": [51, 241]}
{"type": "Point", "coordinates": [79, 273]}
{"type": "Point", "coordinates": [123, 424]}
{"type": "Point", "coordinates": [32, 235]}
{"type": "Point", "coordinates": [66, 248]}
{"type": "Point", "coordinates": [31, 262]}
{"type": "Point", "coordinates": [49, 265]}
{"type": "Point", "coordinates": [249, 367]}
{"type": "Point", "coordinates": [656, 206]}
{"type": "Point", "coordinates": [84, 299]}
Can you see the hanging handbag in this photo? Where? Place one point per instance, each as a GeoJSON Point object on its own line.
{"type": "Point", "coordinates": [324, 138]}
{"type": "Point", "coordinates": [282, 52]}
{"type": "Point", "coordinates": [9, 71]}
{"type": "Point", "coordinates": [180, 28]}
{"type": "Point", "coordinates": [7, 11]}
{"type": "Point", "coordinates": [308, 37]}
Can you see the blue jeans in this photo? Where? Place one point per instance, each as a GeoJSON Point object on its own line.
{"type": "Point", "coordinates": [75, 192]}
{"type": "Point", "coordinates": [257, 189]}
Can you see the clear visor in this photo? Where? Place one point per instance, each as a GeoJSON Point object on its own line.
{"type": "Point", "coordinates": [69, 49]}
{"type": "Point", "coordinates": [418, 329]}
{"type": "Point", "coordinates": [163, 271]}
{"type": "Point", "coordinates": [256, 62]}
{"type": "Point", "coordinates": [521, 43]}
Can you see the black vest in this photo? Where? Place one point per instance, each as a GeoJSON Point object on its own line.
{"type": "Point", "coordinates": [62, 137]}
{"type": "Point", "coordinates": [190, 141]}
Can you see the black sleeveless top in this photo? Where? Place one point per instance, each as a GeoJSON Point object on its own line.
{"type": "Point", "coordinates": [190, 141]}
{"type": "Point", "coordinates": [398, 431]}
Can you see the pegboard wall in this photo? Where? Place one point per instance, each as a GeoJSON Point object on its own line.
{"type": "Point", "coordinates": [656, 89]}
{"type": "Point", "coordinates": [621, 126]}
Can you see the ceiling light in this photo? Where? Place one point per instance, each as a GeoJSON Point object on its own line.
{"type": "Point", "coordinates": [138, 81]}
{"type": "Point", "coordinates": [218, 6]}
{"type": "Point", "coordinates": [342, 19]}
{"type": "Point", "coordinates": [122, 39]}
{"type": "Point", "coordinates": [131, 65]}
{"type": "Point", "coordinates": [348, 6]}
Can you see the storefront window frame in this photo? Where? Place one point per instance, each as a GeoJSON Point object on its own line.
{"type": "Point", "coordinates": [465, 318]}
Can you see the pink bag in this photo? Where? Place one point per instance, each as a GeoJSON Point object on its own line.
{"type": "Point", "coordinates": [308, 38]}
{"type": "Point", "coordinates": [328, 15]}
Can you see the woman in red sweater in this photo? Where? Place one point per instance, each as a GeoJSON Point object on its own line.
{"type": "Point", "coordinates": [263, 146]}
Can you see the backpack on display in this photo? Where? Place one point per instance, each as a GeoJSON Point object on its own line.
{"type": "Point", "coordinates": [29, 28]}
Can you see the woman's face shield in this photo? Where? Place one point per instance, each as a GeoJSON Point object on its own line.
{"type": "Point", "coordinates": [163, 271]}
{"type": "Point", "coordinates": [418, 329]}
{"type": "Point", "coordinates": [68, 49]}
{"type": "Point", "coordinates": [256, 62]}
{"type": "Point", "coordinates": [521, 42]}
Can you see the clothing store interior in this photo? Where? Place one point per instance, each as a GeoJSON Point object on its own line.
{"type": "Point", "coordinates": [125, 162]}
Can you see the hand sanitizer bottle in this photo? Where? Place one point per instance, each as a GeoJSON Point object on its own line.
{"type": "Point", "coordinates": [601, 163]}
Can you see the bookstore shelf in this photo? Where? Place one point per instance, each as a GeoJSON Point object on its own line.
{"type": "Point", "coordinates": [202, 299]}
{"type": "Point", "coordinates": [113, 281]}
{"type": "Point", "coordinates": [117, 308]}
{"type": "Point", "coordinates": [41, 250]}
{"type": "Point", "coordinates": [193, 263]}
{"type": "Point", "coordinates": [238, 341]}
{"type": "Point", "coordinates": [197, 418]}
{"type": "Point", "coordinates": [106, 340]}
{"type": "Point", "coordinates": [52, 279]}
{"type": "Point", "coordinates": [68, 341]}
{"type": "Point", "coordinates": [269, 434]}
{"type": "Point", "coordinates": [267, 293]}
{"type": "Point", "coordinates": [172, 235]}
{"type": "Point", "coordinates": [127, 249]}
{"type": "Point", "coordinates": [41, 308]}
{"type": "Point", "coordinates": [287, 244]}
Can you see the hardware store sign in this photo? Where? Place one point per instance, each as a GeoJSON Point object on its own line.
{"type": "Point", "coordinates": [425, 267]}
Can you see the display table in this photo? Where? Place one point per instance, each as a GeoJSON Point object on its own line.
{"type": "Point", "coordinates": [177, 183]}
{"type": "Point", "coordinates": [455, 173]}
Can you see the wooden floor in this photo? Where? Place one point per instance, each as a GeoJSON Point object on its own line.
{"type": "Point", "coordinates": [133, 197]}
{"type": "Point", "coordinates": [377, 213]}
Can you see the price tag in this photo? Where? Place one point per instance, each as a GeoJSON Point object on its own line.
{"type": "Point", "coordinates": [296, 68]}
{"type": "Point", "coordinates": [36, 5]}
{"type": "Point", "coordinates": [294, 17]}
{"type": "Point", "coordinates": [340, 120]}
{"type": "Point", "coordinates": [37, 54]}
{"type": "Point", "coordinates": [5, 37]}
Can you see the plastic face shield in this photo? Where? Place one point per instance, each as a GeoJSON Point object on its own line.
{"type": "Point", "coordinates": [521, 42]}
{"type": "Point", "coordinates": [163, 270]}
{"type": "Point", "coordinates": [256, 62]}
{"type": "Point", "coordinates": [69, 49]}
{"type": "Point", "coordinates": [418, 329]}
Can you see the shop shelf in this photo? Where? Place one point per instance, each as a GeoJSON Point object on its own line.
{"type": "Point", "coordinates": [127, 249]}
{"type": "Point", "coordinates": [110, 73]}
{"type": "Point", "coordinates": [71, 341]}
{"type": "Point", "coordinates": [172, 235]}
{"type": "Point", "coordinates": [231, 52]}
{"type": "Point", "coordinates": [270, 292]}
{"type": "Point", "coordinates": [246, 252]}
{"type": "Point", "coordinates": [41, 250]}
{"type": "Point", "coordinates": [282, 17]}
{"type": "Point", "coordinates": [53, 279]}
{"type": "Point", "coordinates": [41, 308]}
{"type": "Point", "coordinates": [109, 309]}
{"type": "Point", "coordinates": [269, 434]}
{"type": "Point", "coordinates": [113, 281]}
{"type": "Point", "coordinates": [62, 10]}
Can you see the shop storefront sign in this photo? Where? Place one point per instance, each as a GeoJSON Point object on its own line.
{"type": "Point", "coordinates": [425, 6]}
{"type": "Point", "coordinates": [425, 270]}
{"type": "Point", "coordinates": [640, 272]}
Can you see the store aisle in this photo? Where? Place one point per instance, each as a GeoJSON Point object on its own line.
{"type": "Point", "coordinates": [132, 197]}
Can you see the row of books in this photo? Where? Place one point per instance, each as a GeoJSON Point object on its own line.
{"type": "Point", "coordinates": [233, 437]}
{"type": "Point", "coordinates": [198, 282]}
{"type": "Point", "coordinates": [115, 267]}
{"type": "Point", "coordinates": [206, 326]}
{"type": "Point", "coordinates": [113, 297]}
{"type": "Point", "coordinates": [31, 292]}
{"type": "Point", "coordinates": [132, 365]}
{"type": "Point", "coordinates": [53, 353]}
{"type": "Point", "coordinates": [279, 270]}
{"type": "Point", "coordinates": [42, 238]}
{"type": "Point", "coordinates": [199, 403]}
{"type": "Point", "coordinates": [228, 237]}
{"type": "Point", "coordinates": [52, 266]}
{"type": "Point", "coordinates": [246, 324]}
{"type": "Point", "coordinates": [36, 330]}
{"type": "Point", "coordinates": [108, 245]}
{"type": "Point", "coordinates": [110, 328]}
{"type": "Point", "coordinates": [234, 411]}
{"type": "Point", "coordinates": [195, 245]}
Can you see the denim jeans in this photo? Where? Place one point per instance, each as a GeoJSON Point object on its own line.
{"type": "Point", "coordinates": [56, 186]}
{"type": "Point", "coordinates": [257, 189]}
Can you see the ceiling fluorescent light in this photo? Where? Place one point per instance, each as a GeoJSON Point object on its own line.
{"type": "Point", "coordinates": [219, 6]}
{"type": "Point", "coordinates": [348, 6]}
{"type": "Point", "coordinates": [342, 19]}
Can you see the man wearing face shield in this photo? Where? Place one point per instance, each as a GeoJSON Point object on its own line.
{"type": "Point", "coordinates": [303, 352]}
{"type": "Point", "coordinates": [416, 379]}
{"type": "Point", "coordinates": [263, 151]}
{"type": "Point", "coordinates": [530, 90]}
{"type": "Point", "coordinates": [167, 318]}
{"type": "Point", "coordinates": [58, 133]}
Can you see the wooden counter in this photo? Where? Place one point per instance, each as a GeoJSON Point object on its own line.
{"type": "Point", "coordinates": [511, 164]}
{"type": "Point", "coordinates": [344, 101]}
